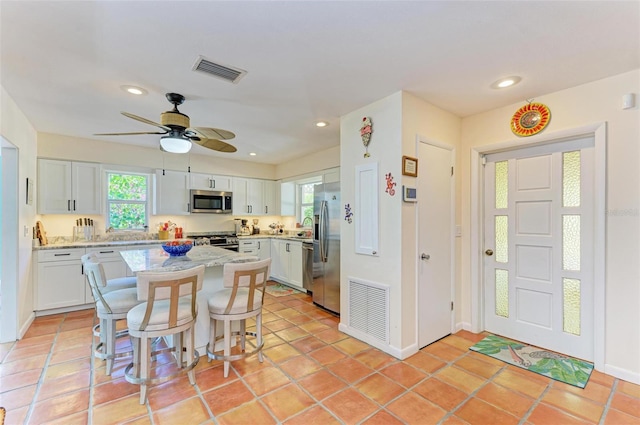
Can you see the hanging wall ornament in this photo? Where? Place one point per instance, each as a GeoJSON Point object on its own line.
{"type": "Point", "coordinates": [348, 215]}
{"type": "Point", "coordinates": [365, 133]}
{"type": "Point", "coordinates": [530, 119]}
{"type": "Point", "coordinates": [390, 184]}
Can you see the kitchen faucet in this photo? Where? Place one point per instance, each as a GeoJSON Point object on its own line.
{"type": "Point", "coordinates": [305, 220]}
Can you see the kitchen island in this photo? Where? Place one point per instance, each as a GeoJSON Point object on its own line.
{"type": "Point", "coordinates": [213, 258]}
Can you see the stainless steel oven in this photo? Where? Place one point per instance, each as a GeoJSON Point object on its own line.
{"type": "Point", "coordinates": [211, 202]}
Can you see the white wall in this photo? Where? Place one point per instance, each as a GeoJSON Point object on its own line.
{"type": "Point", "coordinates": [322, 160]}
{"type": "Point", "coordinates": [598, 101]}
{"type": "Point", "coordinates": [16, 129]}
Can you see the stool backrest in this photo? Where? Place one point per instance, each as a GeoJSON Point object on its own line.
{"type": "Point", "coordinates": [95, 276]}
{"type": "Point", "coordinates": [252, 275]}
{"type": "Point", "coordinates": [153, 286]}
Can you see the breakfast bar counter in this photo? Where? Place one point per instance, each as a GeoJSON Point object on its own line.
{"type": "Point", "coordinates": [213, 258]}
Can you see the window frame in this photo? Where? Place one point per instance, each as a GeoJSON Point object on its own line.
{"type": "Point", "coordinates": [146, 202]}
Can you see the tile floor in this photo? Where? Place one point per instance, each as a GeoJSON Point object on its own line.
{"type": "Point", "coordinates": [312, 374]}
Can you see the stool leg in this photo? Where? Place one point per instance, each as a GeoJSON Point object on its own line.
{"type": "Point", "coordinates": [227, 345]}
{"type": "Point", "coordinates": [144, 367]}
{"type": "Point", "coordinates": [243, 333]}
{"type": "Point", "coordinates": [212, 337]}
{"type": "Point", "coordinates": [178, 343]}
{"type": "Point", "coordinates": [189, 354]}
{"type": "Point", "coordinates": [110, 343]}
{"type": "Point", "coordinates": [135, 346]}
{"type": "Point", "coordinates": [259, 335]}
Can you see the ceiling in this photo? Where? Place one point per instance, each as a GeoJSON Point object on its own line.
{"type": "Point", "coordinates": [63, 62]}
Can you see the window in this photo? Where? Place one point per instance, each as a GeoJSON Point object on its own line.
{"type": "Point", "coordinates": [127, 195]}
{"type": "Point", "coordinates": [306, 203]}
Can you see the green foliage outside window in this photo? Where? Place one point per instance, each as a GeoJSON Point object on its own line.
{"type": "Point", "coordinates": [127, 201]}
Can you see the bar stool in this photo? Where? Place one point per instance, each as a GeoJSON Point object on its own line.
{"type": "Point", "coordinates": [112, 284]}
{"type": "Point", "coordinates": [242, 298]}
{"type": "Point", "coordinates": [110, 307]}
{"type": "Point", "coordinates": [168, 308]}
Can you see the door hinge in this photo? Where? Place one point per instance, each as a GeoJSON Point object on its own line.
{"type": "Point", "coordinates": [484, 160]}
{"type": "Point", "coordinates": [451, 305]}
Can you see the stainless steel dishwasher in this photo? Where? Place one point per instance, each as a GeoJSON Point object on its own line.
{"type": "Point", "coordinates": [307, 266]}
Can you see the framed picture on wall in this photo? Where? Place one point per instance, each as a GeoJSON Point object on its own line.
{"type": "Point", "coordinates": [409, 166]}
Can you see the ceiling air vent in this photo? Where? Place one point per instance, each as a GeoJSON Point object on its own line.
{"type": "Point", "coordinates": [224, 72]}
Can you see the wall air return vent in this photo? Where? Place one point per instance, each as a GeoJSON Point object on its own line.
{"type": "Point", "coordinates": [204, 65]}
{"type": "Point", "coordinates": [369, 308]}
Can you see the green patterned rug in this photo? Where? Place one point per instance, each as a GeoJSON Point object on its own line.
{"type": "Point", "coordinates": [553, 365]}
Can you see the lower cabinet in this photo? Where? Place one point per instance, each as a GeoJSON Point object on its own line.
{"type": "Point", "coordinates": [286, 261]}
{"type": "Point", "coordinates": [59, 280]}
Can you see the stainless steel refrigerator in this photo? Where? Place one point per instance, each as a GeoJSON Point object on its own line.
{"type": "Point", "coordinates": [326, 246]}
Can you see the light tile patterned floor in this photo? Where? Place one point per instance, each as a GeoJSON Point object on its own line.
{"type": "Point", "coordinates": [312, 374]}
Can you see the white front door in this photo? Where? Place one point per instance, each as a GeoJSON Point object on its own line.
{"type": "Point", "coordinates": [538, 262]}
{"type": "Point", "coordinates": [435, 242]}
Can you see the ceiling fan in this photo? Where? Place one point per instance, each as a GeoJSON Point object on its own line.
{"type": "Point", "coordinates": [178, 133]}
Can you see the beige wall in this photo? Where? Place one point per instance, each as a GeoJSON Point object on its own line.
{"type": "Point", "coordinates": [17, 130]}
{"type": "Point", "coordinates": [317, 161]}
{"type": "Point", "coordinates": [600, 101]}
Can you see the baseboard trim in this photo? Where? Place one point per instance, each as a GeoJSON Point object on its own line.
{"type": "Point", "coordinates": [25, 327]}
{"type": "Point", "coordinates": [399, 353]}
{"type": "Point", "coordinates": [624, 374]}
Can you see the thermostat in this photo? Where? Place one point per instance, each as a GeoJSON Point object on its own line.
{"type": "Point", "coordinates": [409, 194]}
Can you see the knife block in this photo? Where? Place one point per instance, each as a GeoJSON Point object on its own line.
{"type": "Point", "coordinates": [83, 233]}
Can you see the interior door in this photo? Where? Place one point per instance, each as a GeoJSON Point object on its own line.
{"type": "Point", "coordinates": [538, 281]}
{"type": "Point", "coordinates": [435, 242]}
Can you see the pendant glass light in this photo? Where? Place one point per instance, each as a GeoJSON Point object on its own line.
{"type": "Point", "coordinates": [175, 144]}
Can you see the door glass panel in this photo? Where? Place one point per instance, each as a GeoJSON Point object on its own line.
{"type": "Point", "coordinates": [502, 241]}
{"type": "Point", "coordinates": [502, 293]}
{"type": "Point", "coordinates": [571, 179]}
{"type": "Point", "coordinates": [571, 304]}
{"type": "Point", "coordinates": [502, 184]}
{"type": "Point", "coordinates": [571, 242]}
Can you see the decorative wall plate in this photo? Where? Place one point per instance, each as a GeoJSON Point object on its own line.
{"type": "Point", "coordinates": [530, 119]}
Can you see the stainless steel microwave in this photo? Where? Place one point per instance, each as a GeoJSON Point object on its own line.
{"type": "Point", "coordinates": [211, 202]}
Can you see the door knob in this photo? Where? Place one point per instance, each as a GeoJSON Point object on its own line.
{"type": "Point", "coordinates": [489, 252]}
{"type": "Point", "coordinates": [425, 256]}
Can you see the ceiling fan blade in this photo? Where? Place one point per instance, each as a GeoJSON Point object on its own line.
{"type": "Point", "coordinates": [130, 134]}
{"type": "Point", "coordinates": [213, 133]}
{"type": "Point", "coordinates": [146, 121]}
{"type": "Point", "coordinates": [214, 144]}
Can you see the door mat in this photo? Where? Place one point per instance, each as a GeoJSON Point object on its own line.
{"type": "Point", "coordinates": [548, 363]}
{"type": "Point", "coordinates": [279, 290]}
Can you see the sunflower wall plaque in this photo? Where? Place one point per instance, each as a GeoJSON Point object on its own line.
{"type": "Point", "coordinates": [530, 119]}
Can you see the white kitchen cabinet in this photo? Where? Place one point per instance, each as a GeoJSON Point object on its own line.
{"type": "Point", "coordinates": [66, 187]}
{"type": "Point", "coordinates": [209, 182]}
{"type": "Point", "coordinates": [112, 262]}
{"type": "Point", "coordinates": [172, 193]}
{"type": "Point", "coordinates": [286, 261]}
{"type": "Point", "coordinates": [271, 200]}
{"type": "Point", "coordinates": [288, 198]}
{"type": "Point", "coordinates": [261, 248]}
{"type": "Point", "coordinates": [264, 248]}
{"type": "Point", "coordinates": [248, 196]}
{"type": "Point", "coordinates": [59, 280]}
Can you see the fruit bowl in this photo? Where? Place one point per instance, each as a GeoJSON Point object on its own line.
{"type": "Point", "coordinates": [177, 248]}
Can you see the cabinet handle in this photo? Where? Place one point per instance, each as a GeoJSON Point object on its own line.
{"type": "Point", "coordinates": [258, 244]}
{"type": "Point", "coordinates": [214, 184]}
{"type": "Point", "coordinates": [68, 204]}
{"type": "Point", "coordinates": [266, 209]}
{"type": "Point", "coordinates": [74, 204]}
{"type": "Point", "coordinates": [287, 249]}
{"type": "Point", "coordinates": [61, 255]}
{"type": "Point", "coordinates": [106, 252]}
{"type": "Point", "coordinates": [189, 206]}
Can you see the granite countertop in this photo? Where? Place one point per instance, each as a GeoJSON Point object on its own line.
{"type": "Point", "coordinates": [155, 259]}
{"type": "Point", "coordinates": [287, 237]}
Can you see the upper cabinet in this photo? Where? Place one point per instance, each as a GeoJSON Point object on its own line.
{"type": "Point", "coordinates": [210, 182]}
{"type": "Point", "coordinates": [172, 193]}
{"type": "Point", "coordinates": [248, 196]}
{"type": "Point", "coordinates": [332, 175]}
{"type": "Point", "coordinates": [66, 187]}
{"type": "Point", "coordinates": [271, 198]}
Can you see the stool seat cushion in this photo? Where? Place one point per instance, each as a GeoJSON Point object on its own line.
{"type": "Point", "coordinates": [119, 283]}
{"type": "Point", "coordinates": [219, 300]}
{"type": "Point", "coordinates": [159, 320]}
{"type": "Point", "coordinates": [120, 301]}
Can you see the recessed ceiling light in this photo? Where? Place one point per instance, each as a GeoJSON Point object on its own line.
{"type": "Point", "coordinates": [253, 153]}
{"type": "Point", "coordinates": [134, 90]}
{"type": "Point", "coordinates": [322, 124]}
{"type": "Point", "coordinates": [506, 82]}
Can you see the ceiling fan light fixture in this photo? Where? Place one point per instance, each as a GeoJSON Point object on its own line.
{"type": "Point", "coordinates": [175, 144]}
